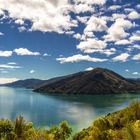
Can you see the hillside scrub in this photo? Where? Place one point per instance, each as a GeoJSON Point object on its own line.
{"type": "Point", "coordinates": [120, 125]}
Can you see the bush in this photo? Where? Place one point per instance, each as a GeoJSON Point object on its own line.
{"type": "Point", "coordinates": [6, 127]}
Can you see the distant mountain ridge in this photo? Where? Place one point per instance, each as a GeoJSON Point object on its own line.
{"type": "Point", "coordinates": [33, 83]}
{"type": "Point", "coordinates": [27, 83]}
{"type": "Point", "coordinates": [97, 81]}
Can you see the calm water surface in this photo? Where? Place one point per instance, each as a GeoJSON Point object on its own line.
{"type": "Point", "coordinates": [47, 110]}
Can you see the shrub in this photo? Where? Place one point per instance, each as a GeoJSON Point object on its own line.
{"type": "Point", "coordinates": [6, 127]}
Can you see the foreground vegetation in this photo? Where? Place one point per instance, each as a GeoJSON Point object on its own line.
{"type": "Point", "coordinates": [120, 125]}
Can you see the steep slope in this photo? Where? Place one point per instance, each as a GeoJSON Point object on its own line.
{"type": "Point", "coordinates": [97, 81]}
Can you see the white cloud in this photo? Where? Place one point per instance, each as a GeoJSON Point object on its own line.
{"type": "Point", "coordinates": [19, 21]}
{"type": "Point", "coordinates": [1, 34]}
{"type": "Point", "coordinates": [45, 16]}
{"type": "Point", "coordinates": [122, 42]}
{"type": "Point", "coordinates": [21, 29]}
{"type": "Point", "coordinates": [114, 7]}
{"type": "Point", "coordinates": [78, 58]}
{"type": "Point", "coordinates": [82, 8]}
{"type": "Point", "coordinates": [7, 80]}
{"type": "Point", "coordinates": [97, 24]}
{"type": "Point", "coordinates": [69, 32]}
{"type": "Point", "coordinates": [5, 66]}
{"type": "Point", "coordinates": [12, 63]}
{"type": "Point", "coordinates": [1, 12]}
{"type": "Point", "coordinates": [136, 46]}
{"type": "Point", "coordinates": [6, 53]}
{"type": "Point", "coordinates": [46, 54]}
{"type": "Point", "coordinates": [90, 44]}
{"type": "Point", "coordinates": [77, 36]}
{"type": "Point", "coordinates": [89, 69]}
{"type": "Point", "coordinates": [32, 71]}
{"type": "Point", "coordinates": [138, 6]}
{"type": "Point", "coordinates": [122, 57]}
{"type": "Point", "coordinates": [82, 19]}
{"type": "Point", "coordinates": [107, 52]}
{"type": "Point", "coordinates": [136, 57]}
{"type": "Point", "coordinates": [117, 30]}
{"type": "Point", "coordinates": [127, 70]}
{"type": "Point", "coordinates": [135, 73]}
{"type": "Point", "coordinates": [135, 36]}
{"type": "Point", "coordinates": [134, 15]}
{"type": "Point", "coordinates": [116, 16]}
{"type": "Point", "coordinates": [25, 51]}
{"type": "Point", "coordinates": [128, 10]}
{"type": "Point", "coordinates": [91, 2]}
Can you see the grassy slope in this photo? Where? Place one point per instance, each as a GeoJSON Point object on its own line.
{"type": "Point", "coordinates": [120, 125]}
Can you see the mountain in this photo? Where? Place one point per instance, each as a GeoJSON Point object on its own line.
{"type": "Point", "coordinates": [97, 81]}
{"type": "Point", "coordinates": [33, 83]}
{"type": "Point", "coordinates": [27, 83]}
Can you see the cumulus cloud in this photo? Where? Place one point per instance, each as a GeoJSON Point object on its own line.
{"type": "Point", "coordinates": [82, 8]}
{"type": "Point", "coordinates": [107, 52]}
{"type": "Point", "coordinates": [91, 44]}
{"type": "Point", "coordinates": [96, 24]}
{"type": "Point", "coordinates": [122, 57]}
{"type": "Point", "coordinates": [117, 30]}
{"type": "Point", "coordinates": [118, 15]}
{"type": "Point", "coordinates": [136, 46]}
{"type": "Point", "coordinates": [138, 6]}
{"type": "Point", "coordinates": [1, 34]}
{"type": "Point", "coordinates": [114, 7]}
{"type": "Point", "coordinates": [78, 58]}
{"type": "Point", "coordinates": [98, 31]}
{"type": "Point", "coordinates": [25, 51]}
{"type": "Point", "coordinates": [83, 19]}
{"type": "Point", "coordinates": [127, 70]}
{"type": "Point", "coordinates": [134, 15]}
{"type": "Point", "coordinates": [19, 21]}
{"type": "Point", "coordinates": [136, 57]}
{"type": "Point", "coordinates": [21, 29]}
{"type": "Point", "coordinates": [135, 36]}
{"type": "Point", "coordinates": [46, 54]}
{"type": "Point", "coordinates": [32, 71]}
{"type": "Point", "coordinates": [91, 2]}
{"type": "Point", "coordinates": [46, 16]}
{"type": "Point", "coordinates": [77, 36]}
{"type": "Point", "coordinates": [123, 42]}
{"type": "Point", "coordinates": [6, 53]}
{"type": "Point", "coordinates": [135, 73]}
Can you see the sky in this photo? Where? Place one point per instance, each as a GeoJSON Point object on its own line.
{"type": "Point", "coordinates": [49, 38]}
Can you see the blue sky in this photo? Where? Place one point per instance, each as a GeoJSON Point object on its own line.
{"type": "Point", "coordinates": [49, 38]}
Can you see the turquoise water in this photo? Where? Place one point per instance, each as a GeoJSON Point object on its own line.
{"type": "Point", "coordinates": [47, 110]}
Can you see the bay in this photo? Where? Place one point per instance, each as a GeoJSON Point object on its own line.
{"type": "Point", "coordinates": [47, 110]}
